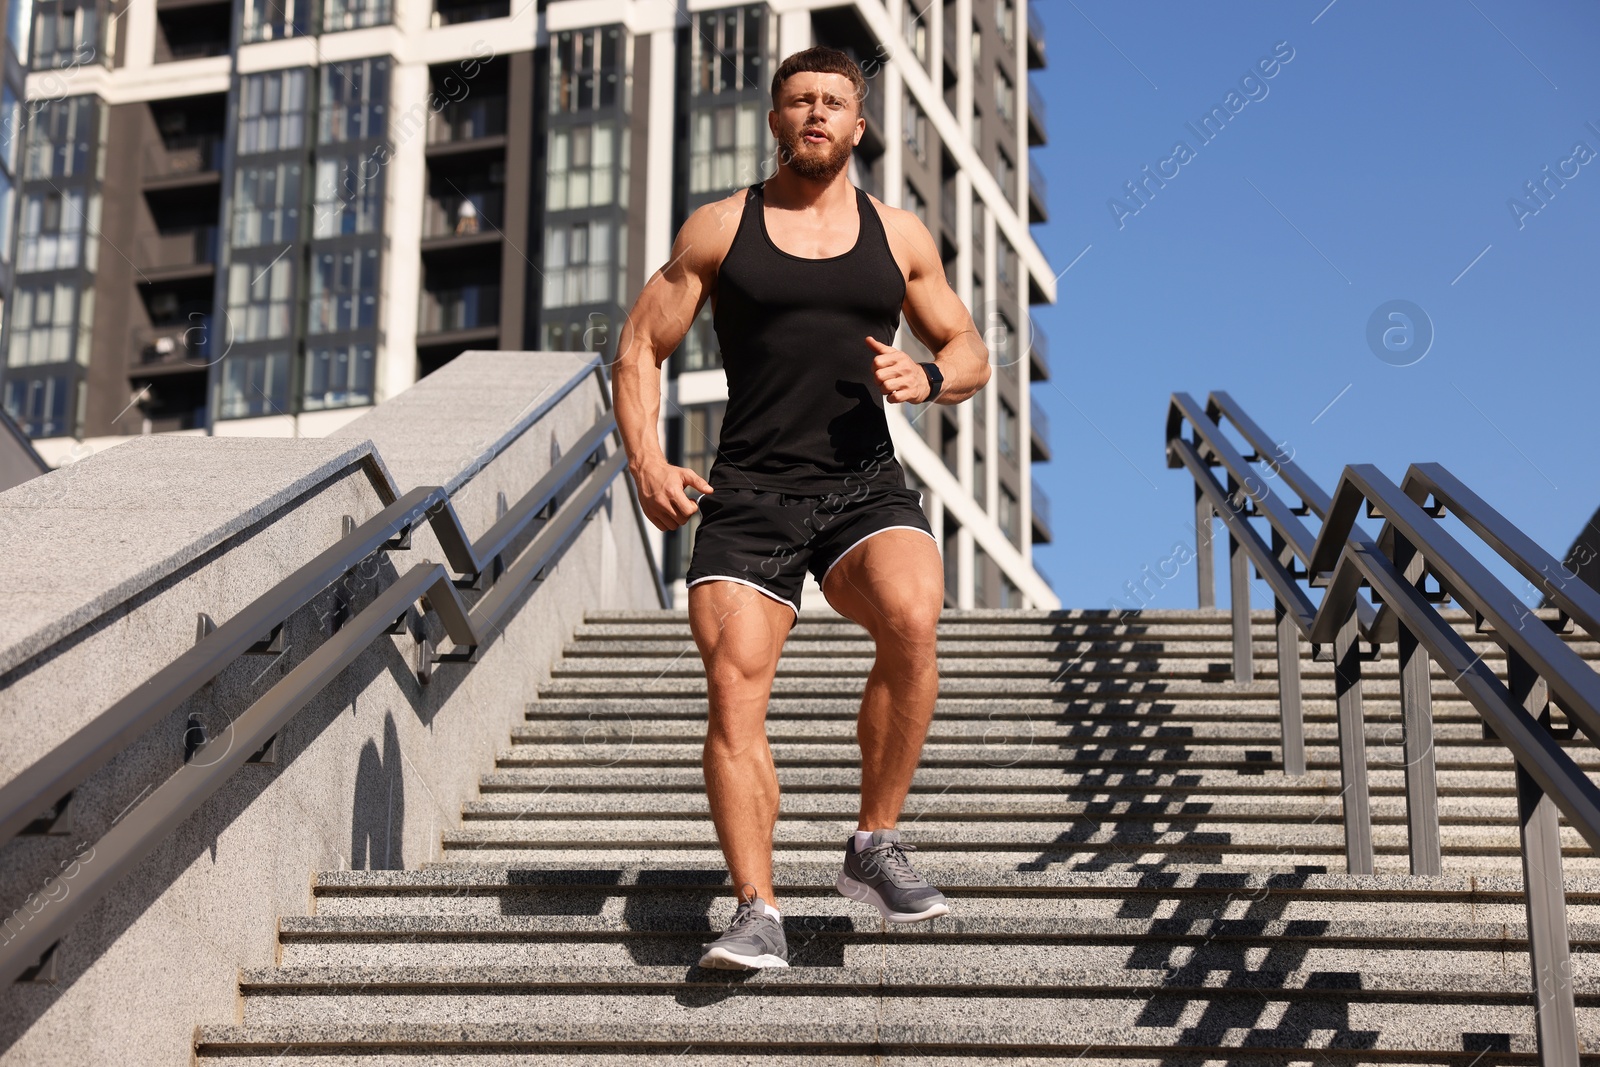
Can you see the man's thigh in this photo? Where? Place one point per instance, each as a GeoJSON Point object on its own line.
{"type": "Point", "coordinates": [740, 632]}
{"type": "Point", "coordinates": [891, 582]}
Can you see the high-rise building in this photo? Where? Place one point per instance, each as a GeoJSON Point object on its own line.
{"type": "Point", "coordinates": [264, 216]}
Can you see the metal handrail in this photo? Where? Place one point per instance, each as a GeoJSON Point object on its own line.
{"type": "Point", "coordinates": [1542, 669]}
{"type": "Point", "coordinates": [1573, 597]}
{"type": "Point", "coordinates": [1246, 496]}
{"type": "Point", "coordinates": [50, 781]}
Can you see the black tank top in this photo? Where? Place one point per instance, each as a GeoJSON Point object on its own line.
{"type": "Point", "coordinates": [805, 414]}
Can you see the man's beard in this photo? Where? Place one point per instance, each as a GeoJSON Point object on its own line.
{"type": "Point", "coordinates": [813, 168]}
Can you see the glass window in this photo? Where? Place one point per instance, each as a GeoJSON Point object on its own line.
{"type": "Point", "coordinates": [5, 218]}
{"type": "Point", "coordinates": [254, 385]}
{"type": "Point", "coordinates": [1005, 18]}
{"type": "Point", "coordinates": [724, 145]}
{"type": "Point", "coordinates": [266, 205]}
{"type": "Point", "coordinates": [19, 24]}
{"type": "Point", "coordinates": [260, 299]}
{"type": "Point", "coordinates": [344, 290]}
{"type": "Point", "coordinates": [1006, 175]}
{"type": "Point", "coordinates": [1009, 517]}
{"type": "Point", "coordinates": [64, 34]}
{"type": "Point", "coordinates": [272, 111]}
{"type": "Point", "coordinates": [58, 138]}
{"type": "Point", "coordinates": [585, 69]}
{"type": "Point", "coordinates": [582, 166]}
{"type": "Point", "coordinates": [916, 28]}
{"type": "Point", "coordinates": [1006, 429]}
{"type": "Point", "coordinates": [10, 129]}
{"type": "Point", "coordinates": [39, 405]}
{"type": "Point", "coordinates": [43, 322]}
{"type": "Point", "coordinates": [339, 377]}
{"type": "Point", "coordinates": [51, 233]}
{"type": "Point", "coordinates": [577, 264]}
{"type": "Point", "coordinates": [916, 131]}
{"type": "Point", "coordinates": [349, 196]}
{"type": "Point", "coordinates": [354, 14]}
{"type": "Point", "coordinates": [726, 52]}
{"type": "Point", "coordinates": [1005, 262]}
{"type": "Point", "coordinates": [353, 101]}
{"type": "Point", "coordinates": [272, 20]}
{"type": "Point", "coordinates": [1005, 96]}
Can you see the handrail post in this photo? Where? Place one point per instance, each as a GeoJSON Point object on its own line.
{"type": "Point", "coordinates": [1204, 553]}
{"type": "Point", "coordinates": [1416, 709]}
{"type": "Point", "coordinates": [1289, 714]}
{"type": "Point", "coordinates": [1239, 602]}
{"type": "Point", "coordinates": [1352, 747]}
{"type": "Point", "coordinates": [1290, 717]}
{"type": "Point", "coordinates": [1555, 1016]}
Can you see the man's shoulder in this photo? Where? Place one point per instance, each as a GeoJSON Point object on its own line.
{"type": "Point", "coordinates": [909, 238]}
{"type": "Point", "coordinates": [710, 228]}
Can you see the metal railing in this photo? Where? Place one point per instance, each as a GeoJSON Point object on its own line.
{"type": "Point", "coordinates": [1039, 422]}
{"type": "Point", "coordinates": [1413, 545]}
{"type": "Point", "coordinates": [1036, 107]}
{"type": "Point", "coordinates": [553, 511]}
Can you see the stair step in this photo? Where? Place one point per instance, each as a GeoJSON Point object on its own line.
{"type": "Point", "coordinates": [833, 807]}
{"type": "Point", "coordinates": [1084, 730]}
{"type": "Point", "coordinates": [1109, 779]}
{"type": "Point", "coordinates": [1087, 753]}
{"type": "Point", "coordinates": [1119, 708]}
{"type": "Point", "coordinates": [856, 1042]}
{"type": "Point", "coordinates": [1111, 686]}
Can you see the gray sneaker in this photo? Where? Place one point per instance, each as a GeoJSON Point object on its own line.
{"type": "Point", "coordinates": [882, 876]}
{"type": "Point", "coordinates": [754, 939]}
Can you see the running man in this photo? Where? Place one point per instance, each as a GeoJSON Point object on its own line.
{"type": "Point", "coordinates": [807, 277]}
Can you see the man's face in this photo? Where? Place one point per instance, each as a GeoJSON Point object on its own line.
{"type": "Point", "coordinates": [817, 123]}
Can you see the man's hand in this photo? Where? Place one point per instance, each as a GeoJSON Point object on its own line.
{"type": "Point", "coordinates": [901, 380]}
{"type": "Point", "coordinates": [661, 493]}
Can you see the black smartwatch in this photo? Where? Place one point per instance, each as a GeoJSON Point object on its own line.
{"type": "Point", "coordinates": [935, 380]}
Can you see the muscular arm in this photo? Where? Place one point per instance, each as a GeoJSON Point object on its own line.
{"type": "Point", "coordinates": [938, 318]}
{"type": "Point", "coordinates": [658, 322]}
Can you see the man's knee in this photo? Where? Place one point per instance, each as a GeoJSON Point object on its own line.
{"type": "Point", "coordinates": [906, 615]}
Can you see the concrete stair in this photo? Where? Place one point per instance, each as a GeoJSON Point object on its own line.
{"type": "Point", "coordinates": [1132, 878]}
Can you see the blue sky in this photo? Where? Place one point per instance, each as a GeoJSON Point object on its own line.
{"type": "Point", "coordinates": [1374, 165]}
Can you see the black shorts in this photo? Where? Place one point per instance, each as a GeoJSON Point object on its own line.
{"type": "Point", "coordinates": [768, 540]}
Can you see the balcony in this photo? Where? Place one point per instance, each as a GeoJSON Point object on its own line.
{"type": "Point", "coordinates": [193, 159]}
{"type": "Point", "coordinates": [1040, 431]}
{"type": "Point", "coordinates": [1041, 514]}
{"type": "Point", "coordinates": [467, 122]}
{"type": "Point", "coordinates": [473, 309]}
{"type": "Point", "coordinates": [1037, 117]}
{"type": "Point", "coordinates": [444, 224]}
{"type": "Point", "coordinates": [1038, 352]}
{"type": "Point", "coordinates": [1036, 57]}
{"type": "Point", "coordinates": [448, 13]}
{"type": "Point", "coordinates": [190, 252]}
{"type": "Point", "coordinates": [1038, 192]}
{"type": "Point", "coordinates": [192, 29]}
{"type": "Point", "coordinates": [174, 348]}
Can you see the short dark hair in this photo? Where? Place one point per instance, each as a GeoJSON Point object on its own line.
{"type": "Point", "coordinates": [822, 60]}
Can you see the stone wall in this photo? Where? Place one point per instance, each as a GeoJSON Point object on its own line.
{"type": "Point", "coordinates": [108, 564]}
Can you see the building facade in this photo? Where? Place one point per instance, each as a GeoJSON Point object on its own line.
{"type": "Point", "coordinates": [264, 216]}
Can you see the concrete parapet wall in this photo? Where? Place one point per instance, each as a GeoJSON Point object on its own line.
{"type": "Point", "coordinates": [108, 564]}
